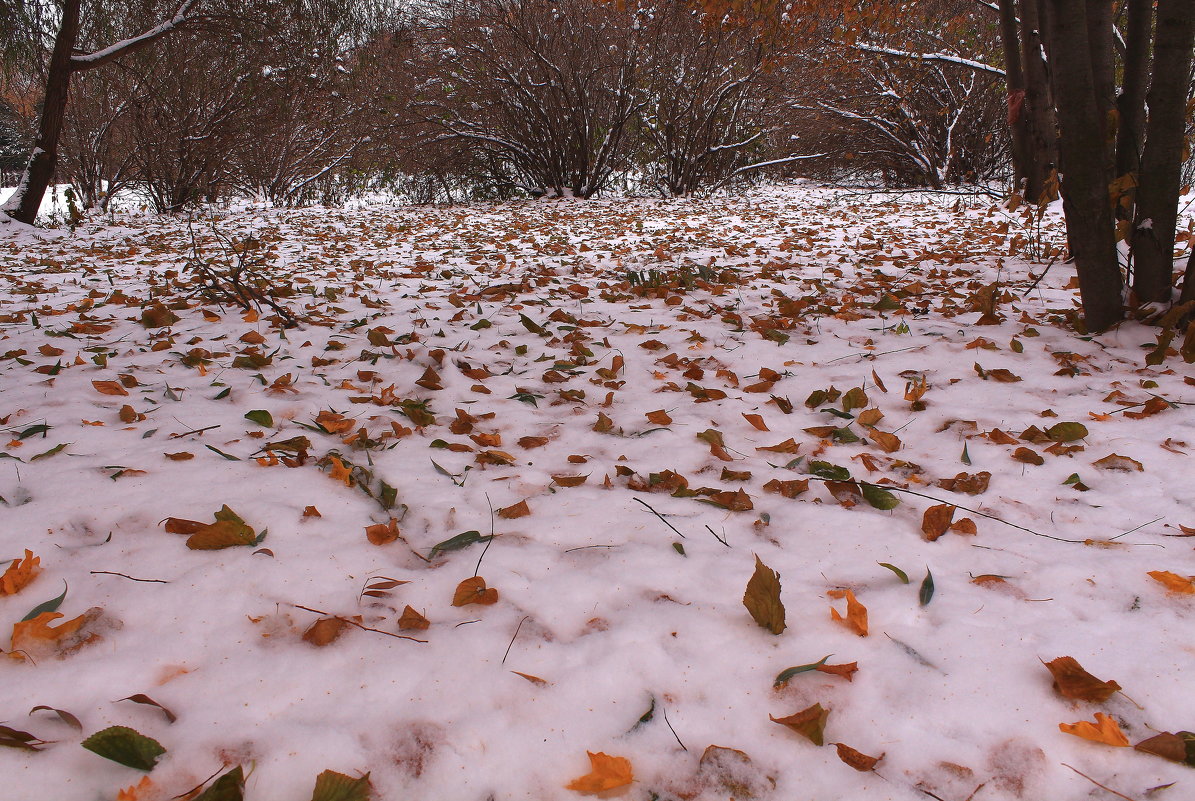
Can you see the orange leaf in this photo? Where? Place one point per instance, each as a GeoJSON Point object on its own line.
{"type": "Point", "coordinates": [515, 511]}
{"type": "Point", "coordinates": [473, 591]}
{"type": "Point", "coordinates": [339, 472]}
{"type": "Point", "coordinates": [756, 421]}
{"type": "Point", "coordinates": [936, 521]}
{"type": "Point", "coordinates": [536, 680]}
{"type": "Point", "coordinates": [570, 481]}
{"type": "Point", "coordinates": [109, 388]}
{"type": "Point", "coordinates": [809, 723]}
{"type": "Point", "coordinates": [659, 417]}
{"type": "Point", "coordinates": [311, 511]}
{"type": "Point", "coordinates": [380, 533]}
{"type": "Point", "coordinates": [846, 670]}
{"type": "Point", "coordinates": [36, 638]}
{"type": "Point", "coordinates": [1105, 730]}
{"type": "Point", "coordinates": [856, 613]}
{"type": "Point", "coordinates": [889, 443]}
{"type": "Point", "coordinates": [412, 620]}
{"type": "Point", "coordinates": [1072, 681]}
{"type": "Point", "coordinates": [325, 631]}
{"type": "Point", "coordinates": [1171, 581]}
{"type": "Point", "coordinates": [606, 773]}
{"type": "Point", "coordinates": [857, 760]}
{"type": "Point", "coordinates": [136, 792]}
{"type": "Point", "coordinates": [20, 574]}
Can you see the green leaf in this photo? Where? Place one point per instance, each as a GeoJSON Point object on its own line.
{"type": "Point", "coordinates": [679, 548]}
{"type": "Point", "coordinates": [49, 606]}
{"type": "Point", "coordinates": [229, 787]}
{"type": "Point", "coordinates": [1066, 432]}
{"type": "Point", "coordinates": [227, 456]}
{"type": "Point", "coordinates": [646, 717]}
{"type": "Point", "coordinates": [855, 398]}
{"type": "Point", "coordinates": [333, 786]}
{"type": "Point", "coordinates": [927, 588]}
{"type": "Point", "coordinates": [49, 453]}
{"type": "Point", "coordinates": [878, 497]}
{"type": "Point", "coordinates": [966, 458]}
{"type": "Point", "coordinates": [836, 413]}
{"type": "Point", "coordinates": [526, 397]}
{"type": "Point", "coordinates": [125, 746]}
{"type": "Point", "coordinates": [783, 676]}
{"type": "Point", "coordinates": [33, 431]}
{"type": "Point", "coordinates": [261, 417]}
{"type": "Point", "coordinates": [531, 325]}
{"type": "Point", "coordinates": [223, 393]}
{"type": "Point", "coordinates": [829, 471]}
{"type": "Point", "coordinates": [462, 540]}
{"type": "Point", "coordinates": [900, 574]}
{"type": "Point", "coordinates": [816, 398]}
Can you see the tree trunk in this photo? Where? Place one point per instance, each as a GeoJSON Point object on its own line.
{"type": "Point", "coordinates": [1043, 144]}
{"type": "Point", "coordinates": [26, 201]}
{"type": "Point", "coordinates": [1018, 119]}
{"type": "Point", "coordinates": [1161, 160]}
{"type": "Point", "coordinates": [1131, 104]}
{"type": "Point", "coordinates": [1103, 72]}
{"type": "Point", "coordinates": [1084, 185]}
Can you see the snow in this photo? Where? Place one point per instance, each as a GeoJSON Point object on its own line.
{"type": "Point", "coordinates": [594, 597]}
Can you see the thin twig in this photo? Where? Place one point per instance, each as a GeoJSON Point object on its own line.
{"type": "Point", "coordinates": [657, 514]}
{"type": "Point", "coordinates": [358, 625]}
{"type": "Point", "coordinates": [1097, 784]}
{"type": "Point", "coordinates": [512, 639]}
{"type": "Point", "coordinates": [490, 540]}
{"type": "Point", "coordinates": [584, 547]}
{"type": "Point", "coordinates": [122, 575]}
{"type": "Point", "coordinates": [664, 709]}
{"type": "Point", "coordinates": [1138, 528]}
{"type": "Point", "coordinates": [194, 431]}
{"type": "Point", "coordinates": [719, 539]}
{"type": "Point", "coordinates": [1043, 275]}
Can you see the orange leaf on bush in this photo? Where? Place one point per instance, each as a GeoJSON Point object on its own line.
{"type": "Point", "coordinates": [606, 773]}
{"type": "Point", "coordinates": [20, 574]}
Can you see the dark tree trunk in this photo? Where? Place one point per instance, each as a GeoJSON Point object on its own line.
{"type": "Point", "coordinates": [1131, 104]}
{"type": "Point", "coordinates": [26, 201]}
{"type": "Point", "coordinates": [1084, 167]}
{"type": "Point", "coordinates": [1161, 160]}
{"type": "Point", "coordinates": [1042, 140]}
{"type": "Point", "coordinates": [1103, 72]}
{"type": "Point", "coordinates": [1018, 120]}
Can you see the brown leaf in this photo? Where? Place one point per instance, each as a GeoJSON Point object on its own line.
{"type": "Point", "coordinates": [965, 526]}
{"type": "Point", "coordinates": [325, 631]}
{"type": "Point", "coordinates": [1028, 456]}
{"type": "Point", "coordinates": [570, 481]}
{"type": "Point", "coordinates": [714, 439]}
{"type": "Point", "coordinates": [1001, 438]}
{"type": "Point", "coordinates": [788, 446]}
{"type": "Point", "coordinates": [762, 598]}
{"type": "Point", "coordinates": [382, 533]}
{"type": "Point", "coordinates": [536, 680]}
{"type": "Point", "coordinates": [176, 525]}
{"type": "Point", "coordinates": [846, 670]}
{"type": "Point", "coordinates": [412, 620]}
{"type": "Point", "coordinates": [532, 442]}
{"type": "Point", "coordinates": [889, 443]}
{"type": "Point", "coordinates": [1072, 681]}
{"type": "Point", "coordinates": [809, 723]}
{"type": "Point", "coordinates": [789, 489]}
{"type": "Point", "coordinates": [1117, 462]}
{"type": "Point", "coordinates": [738, 501]}
{"type": "Point", "coordinates": [936, 521]}
{"type": "Point", "coordinates": [756, 421]}
{"type": "Point", "coordinates": [1166, 745]}
{"type": "Point", "coordinates": [659, 417]}
{"type": "Point", "coordinates": [859, 761]}
{"type": "Point", "coordinates": [181, 456]}
{"type": "Point", "coordinates": [606, 773]}
{"type": "Point", "coordinates": [514, 511]}
{"type": "Point", "coordinates": [311, 511]}
{"type": "Point", "coordinates": [473, 591]}
{"type": "Point", "coordinates": [109, 388]}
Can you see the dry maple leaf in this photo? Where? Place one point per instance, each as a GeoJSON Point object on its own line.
{"type": "Point", "coordinates": [140, 791]}
{"type": "Point", "coordinates": [339, 472]}
{"type": "Point", "coordinates": [1104, 730]}
{"type": "Point", "coordinates": [762, 598]}
{"type": "Point", "coordinates": [606, 773]}
{"type": "Point", "coordinates": [20, 574]}
{"type": "Point", "coordinates": [856, 613]}
{"type": "Point", "coordinates": [1072, 681]}
{"type": "Point", "coordinates": [1171, 581]}
{"type": "Point", "coordinates": [37, 639]}
{"type": "Point", "coordinates": [857, 760]}
{"type": "Point", "coordinates": [810, 723]}
{"type": "Point", "coordinates": [474, 591]}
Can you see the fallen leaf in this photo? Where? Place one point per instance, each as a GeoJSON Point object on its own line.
{"type": "Point", "coordinates": [1104, 730]}
{"type": "Point", "coordinates": [536, 680]}
{"type": "Point", "coordinates": [762, 598]}
{"type": "Point", "coordinates": [857, 760]}
{"type": "Point", "coordinates": [846, 670]}
{"type": "Point", "coordinates": [515, 511]}
{"type": "Point", "coordinates": [125, 746]}
{"type": "Point", "coordinates": [141, 791]}
{"type": "Point", "coordinates": [325, 631]}
{"type": "Point", "coordinates": [37, 639]}
{"type": "Point", "coordinates": [810, 723]}
{"type": "Point", "coordinates": [382, 533]}
{"type": "Point", "coordinates": [1072, 681]}
{"type": "Point", "coordinates": [20, 574]}
{"type": "Point", "coordinates": [311, 511]}
{"type": "Point", "coordinates": [333, 786]}
{"type": "Point", "coordinates": [412, 620]}
{"type": "Point", "coordinates": [1178, 747]}
{"type": "Point", "coordinates": [1028, 456]}
{"type": "Point", "coordinates": [474, 591]}
{"type": "Point", "coordinates": [856, 613]}
{"type": "Point", "coordinates": [1173, 582]}
{"type": "Point", "coordinates": [756, 421]}
{"type": "Point", "coordinates": [936, 521]}
{"type": "Point", "coordinates": [570, 481]}
{"type": "Point", "coordinates": [109, 388]}
{"type": "Point", "coordinates": [659, 417]}
{"type": "Point", "coordinates": [606, 773]}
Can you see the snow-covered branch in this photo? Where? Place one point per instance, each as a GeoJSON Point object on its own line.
{"type": "Point", "coordinates": [184, 15]}
{"type": "Point", "coordinates": [947, 58]}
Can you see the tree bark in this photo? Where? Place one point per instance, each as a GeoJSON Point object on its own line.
{"type": "Point", "coordinates": [1131, 104]}
{"type": "Point", "coordinates": [26, 200]}
{"type": "Point", "coordinates": [1018, 118]}
{"type": "Point", "coordinates": [1043, 144]}
{"type": "Point", "coordinates": [1161, 160]}
{"type": "Point", "coordinates": [1103, 71]}
{"type": "Point", "coordinates": [1084, 185]}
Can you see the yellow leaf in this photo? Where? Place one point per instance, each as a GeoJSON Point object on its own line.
{"type": "Point", "coordinates": [20, 574]}
{"type": "Point", "coordinates": [1105, 730]}
{"type": "Point", "coordinates": [606, 773]}
{"type": "Point", "coordinates": [1171, 581]}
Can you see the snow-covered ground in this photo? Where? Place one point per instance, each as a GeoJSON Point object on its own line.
{"type": "Point", "coordinates": [644, 377]}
